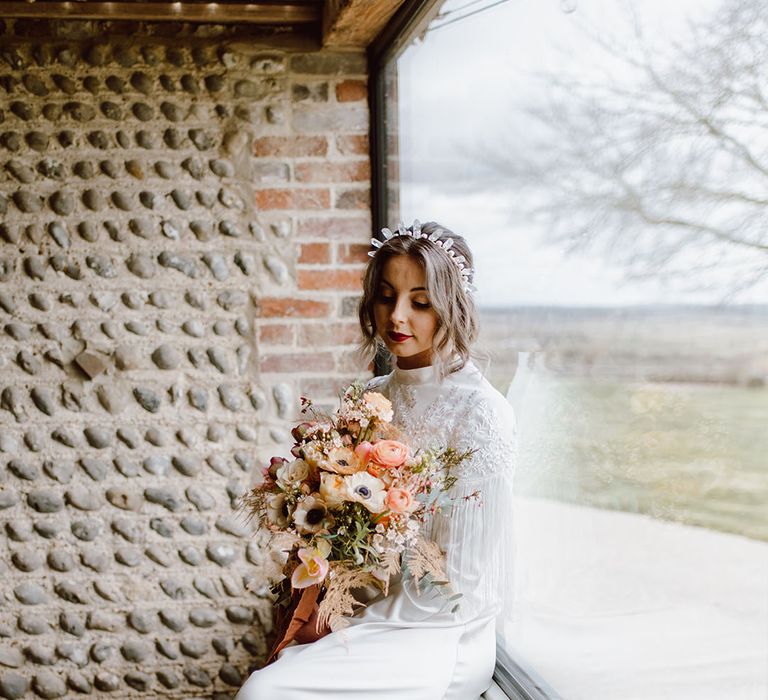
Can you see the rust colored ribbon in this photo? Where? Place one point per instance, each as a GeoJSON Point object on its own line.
{"type": "Point", "coordinates": [290, 620]}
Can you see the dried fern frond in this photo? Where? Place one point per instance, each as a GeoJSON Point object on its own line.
{"type": "Point", "coordinates": [338, 601]}
{"type": "Point", "coordinates": [390, 565]}
{"type": "Point", "coordinates": [253, 504]}
{"type": "Point", "coordinates": [424, 557]}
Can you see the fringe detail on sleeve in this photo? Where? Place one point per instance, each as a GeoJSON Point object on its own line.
{"type": "Point", "coordinates": [477, 538]}
{"type": "Point", "coordinates": [477, 534]}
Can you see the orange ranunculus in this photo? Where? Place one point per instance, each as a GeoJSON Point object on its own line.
{"type": "Point", "coordinates": [399, 500]}
{"type": "Point", "coordinates": [389, 454]}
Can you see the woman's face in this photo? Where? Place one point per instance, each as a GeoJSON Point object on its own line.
{"type": "Point", "coordinates": [405, 319]}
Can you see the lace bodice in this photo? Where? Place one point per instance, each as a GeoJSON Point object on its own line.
{"type": "Point", "coordinates": [465, 411]}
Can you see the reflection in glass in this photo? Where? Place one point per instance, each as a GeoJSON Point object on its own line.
{"type": "Point", "coordinates": [605, 162]}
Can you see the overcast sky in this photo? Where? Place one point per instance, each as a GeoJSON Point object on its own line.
{"type": "Point", "coordinates": [462, 85]}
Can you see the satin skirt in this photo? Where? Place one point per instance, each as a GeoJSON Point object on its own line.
{"type": "Point", "coordinates": [400, 647]}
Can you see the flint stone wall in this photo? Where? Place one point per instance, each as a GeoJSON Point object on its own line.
{"type": "Point", "coordinates": [143, 228]}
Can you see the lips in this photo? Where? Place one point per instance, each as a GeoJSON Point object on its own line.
{"type": "Point", "coordinates": [398, 337]}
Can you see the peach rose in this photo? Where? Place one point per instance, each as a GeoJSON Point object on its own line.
{"type": "Point", "coordinates": [389, 453]}
{"type": "Point", "coordinates": [399, 500]}
{"type": "Point", "coordinates": [378, 405]}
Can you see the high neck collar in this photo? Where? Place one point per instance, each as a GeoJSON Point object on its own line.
{"type": "Point", "coordinates": [425, 375]}
{"type": "Point", "coordinates": [418, 375]}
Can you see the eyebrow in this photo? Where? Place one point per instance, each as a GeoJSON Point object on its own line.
{"type": "Point", "coordinates": [415, 289]}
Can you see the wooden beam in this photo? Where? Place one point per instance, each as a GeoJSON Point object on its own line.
{"type": "Point", "coordinates": [210, 12]}
{"type": "Point", "coordinates": [348, 23]}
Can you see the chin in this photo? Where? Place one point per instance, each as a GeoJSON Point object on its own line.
{"type": "Point", "coordinates": [400, 351]}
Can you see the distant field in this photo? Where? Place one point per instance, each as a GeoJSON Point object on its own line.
{"type": "Point", "coordinates": [609, 435]}
{"type": "Point", "coordinates": [663, 344]}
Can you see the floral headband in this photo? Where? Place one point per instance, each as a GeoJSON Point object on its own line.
{"type": "Point", "coordinates": [446, 245]}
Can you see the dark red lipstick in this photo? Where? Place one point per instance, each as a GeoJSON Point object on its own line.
{"type": "Point", "coordinates": [398, 337]}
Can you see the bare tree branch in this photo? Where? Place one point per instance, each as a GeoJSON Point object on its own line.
{"type": "Point", "coordinates": [668, 157]}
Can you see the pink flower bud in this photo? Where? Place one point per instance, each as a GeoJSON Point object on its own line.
{"type": "Point", "coordinates": [301, 430]}
{"type": "Point", "coordinates": [274, 464]}
{"type": "Point", "coordinates": [363, 451]}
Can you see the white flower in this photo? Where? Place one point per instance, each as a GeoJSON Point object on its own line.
{"type": "Point", "coordinates": [333, 489]}
{"type": "Point", "coordinates": [368, 490]}
{"type": "Point", "coordinates": [341, 460]}
{"type": "Point", "coordinates": [277, 510]}
{"type": "Point", "coordinates": [292, 473]}
{"type": "Point", "coordinates": [312, 453]}
{"type": "Point", "coordinates": [311, 515]}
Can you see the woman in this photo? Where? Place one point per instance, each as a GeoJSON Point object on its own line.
{"type": "Point", "coordinates": [417, 302]}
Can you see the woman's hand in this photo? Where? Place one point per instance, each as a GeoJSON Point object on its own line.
{"type": "Point", "coordinates": [308, 631]}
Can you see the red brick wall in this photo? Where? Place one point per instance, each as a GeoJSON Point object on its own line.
{"type": "Point", "coordinates": [307, 330]}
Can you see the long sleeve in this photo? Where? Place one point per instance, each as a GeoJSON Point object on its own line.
{"type": "Point", "coordinates": [477, 536]}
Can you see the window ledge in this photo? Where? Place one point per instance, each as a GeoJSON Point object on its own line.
{"type": "Point", "coordinates": [511, 681]}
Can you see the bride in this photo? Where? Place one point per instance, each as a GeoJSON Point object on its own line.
{"type": "Point", "coordinates": [417, 301]}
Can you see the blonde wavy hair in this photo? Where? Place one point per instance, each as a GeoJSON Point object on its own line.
{"type": "Point", "coordinates": [455, 309]}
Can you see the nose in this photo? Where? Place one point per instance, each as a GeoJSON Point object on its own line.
{"type": "Point", "coordinates": [399, 312]}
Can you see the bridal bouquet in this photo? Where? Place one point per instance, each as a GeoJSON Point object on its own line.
{"type": "Point", "coordinates": [351, 503]}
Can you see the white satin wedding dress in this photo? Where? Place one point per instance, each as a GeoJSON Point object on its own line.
{"type": "Point", "coordinates": [403, 647]}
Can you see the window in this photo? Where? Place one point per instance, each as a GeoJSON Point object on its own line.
{"type": "Point", "coordinates": [606, 161]}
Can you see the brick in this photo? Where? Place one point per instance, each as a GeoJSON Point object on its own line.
{"type": "Point", "coordinates": [298, 362]}
{"type": "Point", "coordinates": [330, 279]}
{"type": "Point", "coordinates": [278, 307]}
{"type": "Point", "coordinates": [266, 171]}
{"type": "Point", "coordinates": [353, 144]}
{"type": "Point", "coordinates": [356, 171]}
{"type": "Point", "coordinates": [351, 117]}
{"type": "Point", "coordinates": [330, 63]}
{"type": "Point", "coordinates": [349, 306]}
{"type": "Point", "coordinates": [353, 199]}
{"type": "Point", "coordinates": [290, 146]}
{"type": "Point", "coordinates": [350, 253]}
{"type": "Point", "coordinates": [351, 91]}
{"type": "Point", "coordinates": [270, 199]}
{"type": "Point", "coordinates": [354, 228]}
{"type": "Point", "coordinates": [276, 334]}
{"type": "Point", "coordinates": [328, 334]}
{"type": "Point", "coordinates": [314, 253]}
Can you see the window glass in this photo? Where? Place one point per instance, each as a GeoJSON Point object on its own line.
{"type": "Point", "coordinates": [607, 162]}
